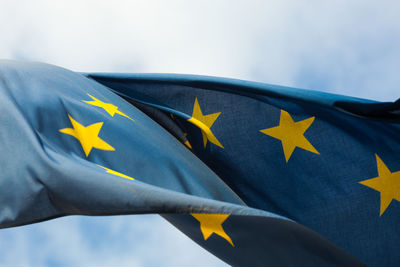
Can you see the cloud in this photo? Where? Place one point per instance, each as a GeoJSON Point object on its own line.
{"type": "Point", "coordinates": [348, 47]}
{"type": "Point", "coordinates": [136, 240]}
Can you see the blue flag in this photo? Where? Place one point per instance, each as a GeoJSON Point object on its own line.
{"type": "Point", "coordinates": [259, 175]}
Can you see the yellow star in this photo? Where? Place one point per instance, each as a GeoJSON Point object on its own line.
{"type": "Point", "coordinates": [187, 143]}
{"type": "Point", "coordinates": [291, 134]}
{"type": "Point", "coordinates": [387, 183]}
{"type": "Point", "coordinates": [204, 122]}
{"type": "Point", "coordinates": [212, 223]}
{"type": "Point", "coordinates": [110, 108]}
{"type": "Point", "coordinates": [87, 136]}
{"type": "Point", "coordinates": [117, 173]}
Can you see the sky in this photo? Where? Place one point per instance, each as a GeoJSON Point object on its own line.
{"type": "Point", "coordinates": [347, 47]}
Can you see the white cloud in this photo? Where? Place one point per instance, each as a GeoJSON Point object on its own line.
{"type": "Point", "coordinates": [349, 47]}
{"type": "Point", "coordinates": [136, 240]}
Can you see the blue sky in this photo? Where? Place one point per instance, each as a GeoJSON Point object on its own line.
{"type": "Point", "coordinates": [348, 47]}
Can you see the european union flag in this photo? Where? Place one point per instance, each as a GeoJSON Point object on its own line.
{"type": "Point", "coordinates": [259, 175]}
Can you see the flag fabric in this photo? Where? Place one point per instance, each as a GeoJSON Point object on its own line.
{"type": "Point", "coordinates": [259, 175]}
